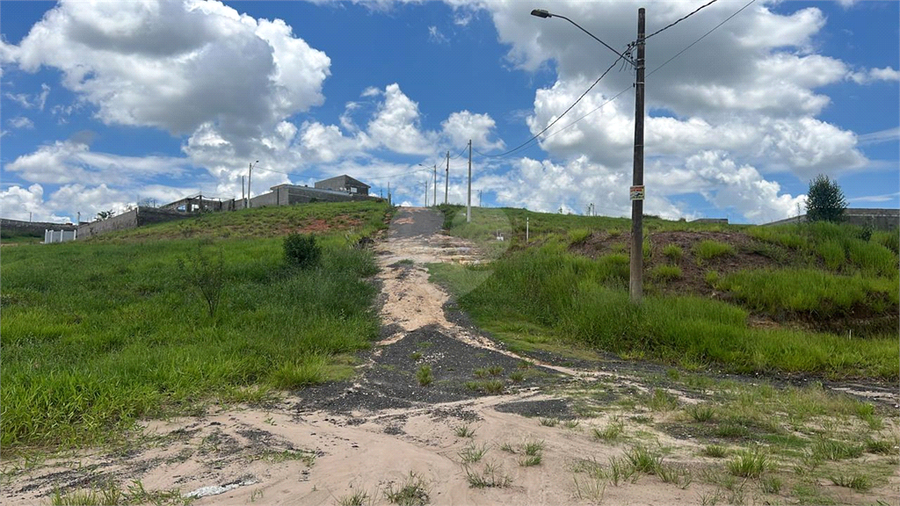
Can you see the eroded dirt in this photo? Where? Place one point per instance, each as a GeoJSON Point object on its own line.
{"type": "Point", "coordinates": [323, 445]}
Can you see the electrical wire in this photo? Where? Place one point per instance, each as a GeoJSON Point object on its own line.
{"type": "Point", "coordinates": [651, 72]}
{"type": "Point", "coordinates": [535, 136]}
{"type": "Point", "coordinates": [701, 38]}
{"type": "Point", "coordinates": [670, 25]}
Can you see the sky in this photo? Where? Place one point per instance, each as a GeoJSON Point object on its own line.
{"type": "Point", "coordinates": [107, 104]}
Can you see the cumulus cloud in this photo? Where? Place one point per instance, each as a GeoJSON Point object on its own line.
{"type": "Point", "coordinates": [872, 75]}
{"type": "Point", "coordinates": [177, 65]}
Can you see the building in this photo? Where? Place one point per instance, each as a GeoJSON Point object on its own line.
{"type": "Point", "coordinates": [345, 184]}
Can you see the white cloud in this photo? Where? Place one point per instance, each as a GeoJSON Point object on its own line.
{"type": "Point", "coordinates": [872, 75]}
{"type": "Point", "coordinates": [435, 35]}
{"type": "Point", "coordinates": [462, 126]}
{"type": "Point", "coordinates": [70, 162]}
{"type": "Point", "coordinates": [18, 203]}
{"type": "Point", "coordinates": [178, 65]}
{"type": "Point", "coordinates": [21, 122]}
{"type": "Point", "coordinates": [888, 135]}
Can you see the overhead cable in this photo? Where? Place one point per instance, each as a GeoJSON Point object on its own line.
{"type": "Point", "coordinates": [670, 25]}
{"type": "Point", "coordinates": [535, 136]}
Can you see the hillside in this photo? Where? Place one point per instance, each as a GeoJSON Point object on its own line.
{"type": "Point", "coordinates": [162, 320]}
{"type": "Point", "coordinates": [747, 299]}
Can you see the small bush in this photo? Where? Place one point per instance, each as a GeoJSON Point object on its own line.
{"type": "Point", "coordinates": [205, 274]}
{"type": "Point", "coordinates": [700, 412]}
{"type": "Point", "coordinates": [829, 449]}
{"type": "Point", "coordinates": [302, 251]}
{"type": "Point", "coordinates": [673, 252]}
{"type": "Point", "coordinates": [579, 235]}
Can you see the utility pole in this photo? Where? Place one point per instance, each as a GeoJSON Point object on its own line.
{"type": "Point", "coordinates": [479, 198]}
{"type": "Point", "coordinates": [243, 197]}
{"type": "Point", "coordinates": [426, 193]}
{"type": "Point", "coordinates": [249, 180]}
{"type": "Point", "coordinates": [434, 187]}
{"type": "Point", "coordinates": [447, 178]}
{"type": "Point", "coordinates": [389, 194]}
{"type": "Point", "coordinates": [637, 190]}
{"type": "Point", "coordinates": [469, 198]}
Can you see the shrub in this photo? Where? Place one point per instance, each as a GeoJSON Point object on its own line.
{"type": "Point", "coordinates": [206, 274]}
{"type": "Point", "coordinates": [302, 251]}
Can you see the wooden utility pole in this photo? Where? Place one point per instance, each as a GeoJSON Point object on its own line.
{"type": "Point", "coordinates": [635, 284]}
{"type": "Point", "coordinates": [249, 179]}
{"type": "Point", "coordinates": [447, 179]}
{"type": "Point", "coordinates": [434, 187]}
{"type": "Point", "coordinates": [469, 198]}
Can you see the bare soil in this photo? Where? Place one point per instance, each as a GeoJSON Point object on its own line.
{"type": "Point", "coordinates": [365, 437]}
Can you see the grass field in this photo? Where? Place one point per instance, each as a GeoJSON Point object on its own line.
{"type": "Point", "coordinates": [545, 295]}
{"type": "Point", "coordinates": [99, 334]}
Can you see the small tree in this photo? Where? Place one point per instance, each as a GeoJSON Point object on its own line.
{"type": "Point", "coordinates": [301, 250]}
{"type": "Point", "coordinates": [105, 215]}
{"type": "Point", "coordinates": [205, 275]}
{"type": "Point", "coordinates": [825, 200]}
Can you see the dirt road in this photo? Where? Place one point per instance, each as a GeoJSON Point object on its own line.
{"type": "Point", "coordinates": [483, 426]}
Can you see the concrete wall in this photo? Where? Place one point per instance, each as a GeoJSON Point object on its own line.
{"type": "Point", "coordinates": [119, 222]}
{"type": "Point", "coordinates": [880, 219]}
{"type": "Point", "coordinates": [35, 228]}
{"type": "Point", "coordinates": [134, 218]}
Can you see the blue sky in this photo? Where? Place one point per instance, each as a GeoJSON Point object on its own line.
{"type": "Point", "coordinates": [106, 104]}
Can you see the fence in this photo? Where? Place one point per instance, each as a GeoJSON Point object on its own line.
{"type": "Point", "coordinates": [51, 236]}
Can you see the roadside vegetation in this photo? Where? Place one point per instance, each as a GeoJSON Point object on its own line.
{"type": "Point", "coordinates": [148, 324]}
{"type": "Point", "coordinates": [706, 287]}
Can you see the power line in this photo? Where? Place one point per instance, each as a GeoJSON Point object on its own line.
{"type": "Point", "coordinates": [651, 72]}
{"type": "Point", "coordinates": [535, 136]}
{"type": "Point", "coordinates": [670, 25]}
{"type": "Point", "coordinates": [701, 38]}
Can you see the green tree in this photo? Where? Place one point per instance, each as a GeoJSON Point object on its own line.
{"type": "Point", "coordinates": [825, 200]}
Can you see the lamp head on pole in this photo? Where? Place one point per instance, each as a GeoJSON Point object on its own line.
{"type": "Point", "coordinates": [541, 13]}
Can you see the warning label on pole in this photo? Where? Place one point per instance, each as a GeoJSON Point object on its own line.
{"type": "Point", "coordinates": [637, 192]}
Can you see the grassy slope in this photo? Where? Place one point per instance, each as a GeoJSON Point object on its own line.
{"type": "Point", "coordinates": [540, 294]}
{"type": "Point", "coordinates": [98, 334]}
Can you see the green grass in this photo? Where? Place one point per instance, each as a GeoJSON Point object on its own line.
{"type": "Point", "coordinates": [412, 492]}
{"type": "Point", "coordinates": [97, 335]}
{"type": "Point", "coordinates": [673, 252]}
{"type": "Point", "coordinates": [749, 464]}
{"type": "Point", "coordinates": [544, 294]}
{"type": "Point", "coordinates": [664, 273]}
{"type": "Point", "coordinates": [810, 291]}
{"type": "Point", "coordinates": [709, 250]}
{"type": "Point", "coordinates": [424, 375]}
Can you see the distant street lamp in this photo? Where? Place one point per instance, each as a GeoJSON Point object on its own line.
{"type": "Point", "coordinates": [636, 191]}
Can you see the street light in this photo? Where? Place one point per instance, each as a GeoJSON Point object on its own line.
{"type": "Point", "coordinates": [637, 189]}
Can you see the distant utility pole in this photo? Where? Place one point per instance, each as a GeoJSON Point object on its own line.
{"type": "Point", "coordinates": [447, 178]}
{"type": "Point", "coordinates": [434, 187]}
{"type": "Point", "coordinates": [426, 193]}
{"type": "Point", "coordinates": [469, 198]}
{"type": "Point", "coordinates": [243, 196]}
{"type": "Point", "coordinates": [389, 194]}
{"type": "Point", "coordinates": [79, 218]}
{"type": "Point", "coordinates": [249, 180]}
{"type": "Point", "coordinates": [479, 198]}
{"type": "Point", "coordinates": [637, 189]}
